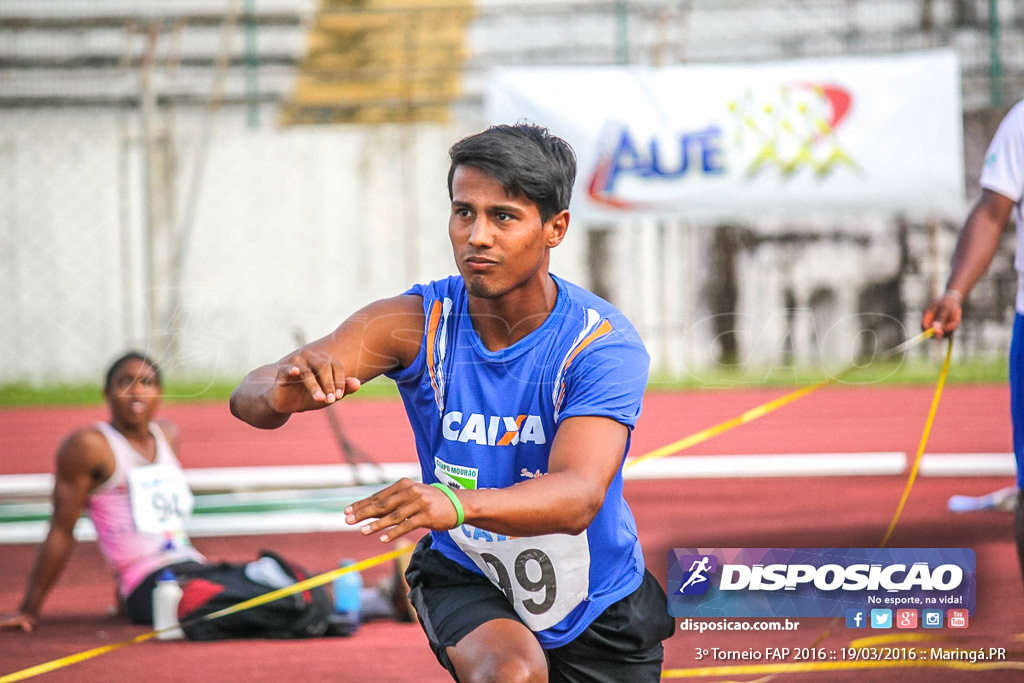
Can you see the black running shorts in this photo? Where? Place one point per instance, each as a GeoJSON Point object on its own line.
{"type": "Point", "coordinates": [623, 644]}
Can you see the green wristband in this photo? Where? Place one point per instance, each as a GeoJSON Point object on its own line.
{"type": "Point", "coordinates": [460, 513]}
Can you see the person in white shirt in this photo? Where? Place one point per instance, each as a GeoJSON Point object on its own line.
{"type": "Point", "coordinates": [1002, 183]}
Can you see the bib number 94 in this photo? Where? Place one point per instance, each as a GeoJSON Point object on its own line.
{"type": "Point", "coordinates": [160, 498]}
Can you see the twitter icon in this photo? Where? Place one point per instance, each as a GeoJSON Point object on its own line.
{"type": "Point", "coordinates": [881, 618]}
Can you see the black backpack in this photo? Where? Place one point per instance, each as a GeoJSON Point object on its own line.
{"type": "Point", "coordinates": [305, 614]}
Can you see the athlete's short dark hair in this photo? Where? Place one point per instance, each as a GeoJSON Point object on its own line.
{"type": "Point", "coordinates": [526, 159]}
{"type": "Point", "coordinates": [131, 355]}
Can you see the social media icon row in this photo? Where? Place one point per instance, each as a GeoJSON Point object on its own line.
{"type": "Point", "coordinates": [905, 618]}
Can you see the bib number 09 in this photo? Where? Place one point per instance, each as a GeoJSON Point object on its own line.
{"type": "Point", "coordinates": [530, 561]}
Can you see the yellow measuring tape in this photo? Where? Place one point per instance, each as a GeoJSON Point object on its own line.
{"type": "Point", "coordinates": [318, 580]}
{"type": "Point", "coordinates": [74, 659]}
{"type": "Point", "coordinates": [765, 408]}
{"type": "Point", "coordinates": [921, 445]}
{"type": "Point", "coordinates": [670, 449]}
{"type": "Point", "coordinates": [915, 466]}
{"type": "Point", "coordinates": [805, 667]}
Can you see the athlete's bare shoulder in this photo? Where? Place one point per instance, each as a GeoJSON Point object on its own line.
{"type": "Point", "coordinates": [85, 451]}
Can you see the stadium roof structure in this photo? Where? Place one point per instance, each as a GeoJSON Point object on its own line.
{"type": "Point", "coordinates": [333, 61]}
{"type": "Point", "coordinates": [106, 53]}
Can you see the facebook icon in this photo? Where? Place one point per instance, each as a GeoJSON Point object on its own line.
{"type": "Point", "coordinates": [856, 618]}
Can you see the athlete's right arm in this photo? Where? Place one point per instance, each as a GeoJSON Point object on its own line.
{"type": "Point", "coordinates": [975, 248]}
{"type": "Point", "coordinates": [83, 460]}
{"type": "Point", "coordinates": [383, 336]}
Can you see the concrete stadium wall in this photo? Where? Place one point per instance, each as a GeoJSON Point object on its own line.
{"type": "Point", "coordinates": [294, 229]}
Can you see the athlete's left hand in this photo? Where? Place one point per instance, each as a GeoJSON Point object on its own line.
{"type": "Point", "coordinates": [403, 507]}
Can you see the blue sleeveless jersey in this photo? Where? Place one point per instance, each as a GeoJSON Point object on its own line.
{"type": "Point", "coordinates": [487, 419]}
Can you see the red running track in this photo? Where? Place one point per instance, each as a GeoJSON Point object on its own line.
{"type": "Point", "coordinates": [791, 512]}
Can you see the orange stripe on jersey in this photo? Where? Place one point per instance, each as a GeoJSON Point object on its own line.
{"type": "Point", "coordinates": [435, 317]}
{"type": "Point", "coordinates": [507, 439]}
{"type": "Point", "coordinates": [604, 328]}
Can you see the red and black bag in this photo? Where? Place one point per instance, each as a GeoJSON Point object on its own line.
{"type": "Point", "coordinates": [303, 615]}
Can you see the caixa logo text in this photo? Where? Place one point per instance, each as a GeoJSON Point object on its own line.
{"type": "Point", "coordinates": [830, 577]}
{"type": "Point", "coordinates": [492, 430]}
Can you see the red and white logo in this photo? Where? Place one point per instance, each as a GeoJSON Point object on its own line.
{"type": "Point", "coordinates": [958, 618]}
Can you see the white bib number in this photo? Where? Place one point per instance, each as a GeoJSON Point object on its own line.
{"type": "Point", "coordinates": [161, 499]}
{"type": "Point", "coordinates": [544, 577]}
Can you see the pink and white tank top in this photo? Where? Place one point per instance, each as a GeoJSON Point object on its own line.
{"type": "Point", "coordinates": [139, 512]}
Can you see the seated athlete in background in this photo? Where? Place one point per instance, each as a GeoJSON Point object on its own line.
{"type": "Point", "coordinates": [125, 475]}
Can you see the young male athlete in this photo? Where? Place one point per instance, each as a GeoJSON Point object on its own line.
{"type": "Point", "coordinates": [1002, 183]}
{"type": "Point", "coordinates": [125, 475]}
{"type": "Point", "coordinates": [522, 390]}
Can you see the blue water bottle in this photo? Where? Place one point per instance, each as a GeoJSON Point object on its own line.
{"type": "Point", "coordinates": [348, 599]}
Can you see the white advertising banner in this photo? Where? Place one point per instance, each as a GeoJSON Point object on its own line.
{"type": "Point", "coordinates": [713, 141]}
